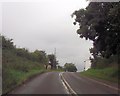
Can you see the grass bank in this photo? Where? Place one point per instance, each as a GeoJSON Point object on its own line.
{"type": "Point", "coordinates": [17, 78]}
{"type": "Point", "coordinates": [110, 74]}
{"type": "Point", "coordinates": [17, 69]}
{"type": "Point", "coordinates": [55, 70]}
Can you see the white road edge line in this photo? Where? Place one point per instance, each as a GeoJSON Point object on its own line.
{"type": "Point", "coordinates": [103, 84]}
{"type": "Point", "coordinates": [66, 85]}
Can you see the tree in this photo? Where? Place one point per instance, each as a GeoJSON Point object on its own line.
{"type": "Point", "coordinates": [70, 67]}
{"type": "Point", "coordinates": [7, 43]}
{"type": "Point", "coordinates": [52, 60]}
{"type": "Point", "coordinates": [40, 56]}
{"type": "Point", "coordinates": [60, 67]}
{"type": "Point", "coordinates": [100, 22]}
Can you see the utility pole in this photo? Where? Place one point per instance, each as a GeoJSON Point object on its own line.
{"type": "Point", "coordinates": [85, 66]}
{"type": "Point", "coordinates": [55, 58]}
{"type": "Point", "coordinates": [55, 52]}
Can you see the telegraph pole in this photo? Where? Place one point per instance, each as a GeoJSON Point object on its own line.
{"type": "Point", "coordinates": [85, 66]}
{"type": "Point", "coordinates": [55, 52]}
{"type": "Point", "coordinates": [55, 58]}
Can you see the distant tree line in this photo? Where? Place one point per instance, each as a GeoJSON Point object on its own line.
{"type": "Point", "coordinates": [70, 67]}
{"type": "Point", "coordinates": [100, 23]}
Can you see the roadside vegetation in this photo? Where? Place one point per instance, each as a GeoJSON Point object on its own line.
{"type": "Point", "coordinates": [106, 69]}
{"type": "Point", "coordinates": [109, 74]}
{"type": "Point", "coordinates": [19, 64]}
{"type": "Point", "coordinates": [99, 22]}
{"type": "Point", "coordinates": [70, 67]}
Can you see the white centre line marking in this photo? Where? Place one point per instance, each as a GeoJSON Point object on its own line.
{"type": "Point", "coordinates": [67, 86]}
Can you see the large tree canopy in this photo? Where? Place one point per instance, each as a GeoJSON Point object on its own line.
{"type": "Point", "coordinates": [100, 22]}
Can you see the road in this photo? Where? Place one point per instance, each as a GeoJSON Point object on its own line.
{"type": "Point", "coordinates": [83, 85]}
{"type": "Point", "coordinates": [53, 83]}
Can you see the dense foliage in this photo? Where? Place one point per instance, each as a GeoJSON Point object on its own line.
{"type": "Point", "coordinates": [70, 67]}
{"type": "Point", "coordinates": [39, 56]}
{"type": "Point", "coordinates": [52, 61]}
{"type": "Point", "coordinates": [100, 22]}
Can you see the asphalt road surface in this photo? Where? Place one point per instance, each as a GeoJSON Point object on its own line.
{"type": "Point", "coordinates": [52, 83]}
{"type": "Point", "coordinates": [84, 85]}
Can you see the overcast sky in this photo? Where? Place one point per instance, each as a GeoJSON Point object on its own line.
{"type": "Point", "coordinates": [46, 25]}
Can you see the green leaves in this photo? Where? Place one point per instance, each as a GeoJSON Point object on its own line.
{"type": "Point", "coordinates": [70, 67]}
{"type": "Point", "coordinates": [7, 43]}
{"type": "Point", "coordinates": [100, 22]}
{"type": "Point", "coordinates": [52, 60]}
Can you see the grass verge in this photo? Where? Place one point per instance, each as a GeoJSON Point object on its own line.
{"type": "Point", "coordinates": [108, 74]}
{"type": "Point", "coordinates": [17, 78]}
{"type": "Point", "coordinates": [55, 70]}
